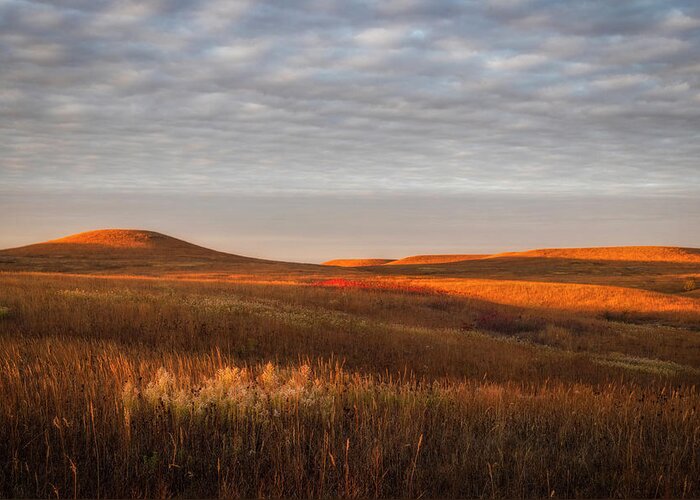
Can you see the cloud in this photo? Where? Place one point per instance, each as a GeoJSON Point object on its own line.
{"type": "Point", "coordinates": [620, 81]}
{"type": "Point", "coordinates": [677, 20]}
{"type": "Point", "coordinates": [519, 62]}
{"type": "Point", "coordinates": [313, 97]}
{"type": "Point", "coordinates": [381, 37]}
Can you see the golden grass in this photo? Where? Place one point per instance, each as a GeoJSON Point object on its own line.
{"type": "Point", "coordinates": [133, 252]}
{"type": "Point", "coordinates": [111, 243]}
{"type": "Point", "coordinates": [357, 262]}
{"type": "Point", "coordinates": [435, 259]}
{"type": "Point", "coordinates": [660, 276]}
{"type": "Point", "coordinates": [626, 303]}
{"type": "Point", "coordinates": [88, 419]}
{"type": "Point", "coordinates": [126, 251]}
{"type": "Point", "coordinates": [158, 387]}
{"type": "Point", "coordinates": [628, 253]}
{"type": "Point", "coordinates": [215, 375]}
{"type": "Point", "coordinates": [128, 238]}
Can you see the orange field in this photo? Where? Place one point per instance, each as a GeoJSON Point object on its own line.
{"type": "Point", "coordinates": [152, 368]}
{"type": "Point", "coordinates": [357, 262]}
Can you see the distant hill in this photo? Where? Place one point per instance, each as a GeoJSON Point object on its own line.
{"type": "Point", "coordinates": [124, 238]}
{"type": "Point", "coordinates": [140, 252]}
{"type": "Point", "coordinates": [632, 254]}
{"type": "Point", "coordinates": [118, 243]}
{"type": "Point", "coordinates": [357, 262]}
{"type": "Point", "coordinates": [435, 259]}
{"type": "Point", "coordinates": [135, 251]}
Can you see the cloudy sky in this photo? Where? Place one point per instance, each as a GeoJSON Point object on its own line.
{"type": "Point", "coordinates": [316, 129]}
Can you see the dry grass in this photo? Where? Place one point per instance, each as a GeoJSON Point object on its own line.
{"type": "Point", "coordinates": [108, 242]}
{"type": "Point", "coordinates": [136, 252]}
{"type": "Point", "coordinates": [436, 259]}
{"type": "Point", "coordinates": [216, 375]}
{"type": "Point", "coordinates": [120, 238]}
{"type": "Point", "coordinates": [157, 387]}
{"type": "Point", "coordinates": [135, 425]}
{"type": "Point", "coordinates": [357, 262]}
{"type": "Point", "coordinates": [630, 253]}
{"type": "Point", "coordinates": [613, 302]}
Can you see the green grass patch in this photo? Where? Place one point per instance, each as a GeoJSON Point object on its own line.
{"type": "Point", "coordinates": [654, 366]}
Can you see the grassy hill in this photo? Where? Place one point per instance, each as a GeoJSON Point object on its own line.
{"type": "Point", "coordinates": [435, 259]}
{"type": "Point", "coordinates": [636, 254]}
{"type": "Point", "coordinates": [629, 253]}
{"type": "Point", "coordinates": [357, 262]}
{"type": "Point", "coordinates": [140, 365]}
{"type": "Point", "coordinates": [118, 243]}
{"type": "Point", "coordinates": [138, 252]}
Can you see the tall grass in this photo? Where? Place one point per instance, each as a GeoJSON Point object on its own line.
{"type": "Point", "coordinates": [625, 303]}
{"type": "Point", "coordinates": [114, 388]}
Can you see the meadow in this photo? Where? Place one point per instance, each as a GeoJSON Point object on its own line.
{"type": "Point", "coordinates": [155, 387]}
{"type": "Point", "coordinates": [383, 381]}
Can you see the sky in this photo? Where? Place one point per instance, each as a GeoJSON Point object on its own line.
{"type": "Point", "coordinates": [311, 130]}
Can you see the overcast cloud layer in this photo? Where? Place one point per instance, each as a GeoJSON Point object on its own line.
{"type": "Point", "coordinates": [311, 98]}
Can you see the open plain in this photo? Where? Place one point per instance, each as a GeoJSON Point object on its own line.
{"type": "Point", "coordinates": [136, 365]}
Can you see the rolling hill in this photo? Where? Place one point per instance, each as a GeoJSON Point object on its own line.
{"type": "Point", "coordinates": [357, 262]}
{"type": "Point", "coordinates": [135, 251]}
{"type": "Point", "coordinates": [148, 253]}
{"type": "Point", "coordinates": [117, 243]}
{"type": "Point", "coordinates": [662, 269]}
{"type": "Point", "coordinates": [435, 259]}
{"type": "Point", "coordinates": [631, 254]}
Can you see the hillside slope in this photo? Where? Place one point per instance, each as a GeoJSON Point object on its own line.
{"type": "Point", "coordinates": [435, 259]}
{"type": "Point", "coordinates": [357, 262]}
{"type": "Point", "coordinates": [139, 252]}
{"type": "Point", "coordinates": [111, 243]}
{"type": "Point", "coordinates": [631, 253]}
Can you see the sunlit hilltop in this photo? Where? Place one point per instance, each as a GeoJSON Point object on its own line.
{"type": "Point", "coordinates": [357, 262]}
{"type": "Point", "coordinates": [114, 241]}
{"type": "Point", "coordinates": [628, 253]}
{"type": "Point", "coordinates": [122, 238]}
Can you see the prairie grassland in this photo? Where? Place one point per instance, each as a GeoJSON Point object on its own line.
{"type": "Point", "coordinates": [154, 387]}
{"type": "Point", "coordinates": [626, 303]}
{"type": "Point", "coordinates": [627, 254]}
{"type": "Point", "coordinates": [548, 297]}
{"type": "Point", "coordinates": [654, 275]}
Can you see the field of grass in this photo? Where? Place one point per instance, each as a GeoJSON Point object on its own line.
{"type": "Point", "coordinates": [162, 387]}
{"type": "Point", "coordinates": [156, 368]}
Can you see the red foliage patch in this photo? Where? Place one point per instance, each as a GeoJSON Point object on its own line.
{"type": "Point", "coordinates": [340, 283]}
{"type": "Point", "coordinates": [374, 285]}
